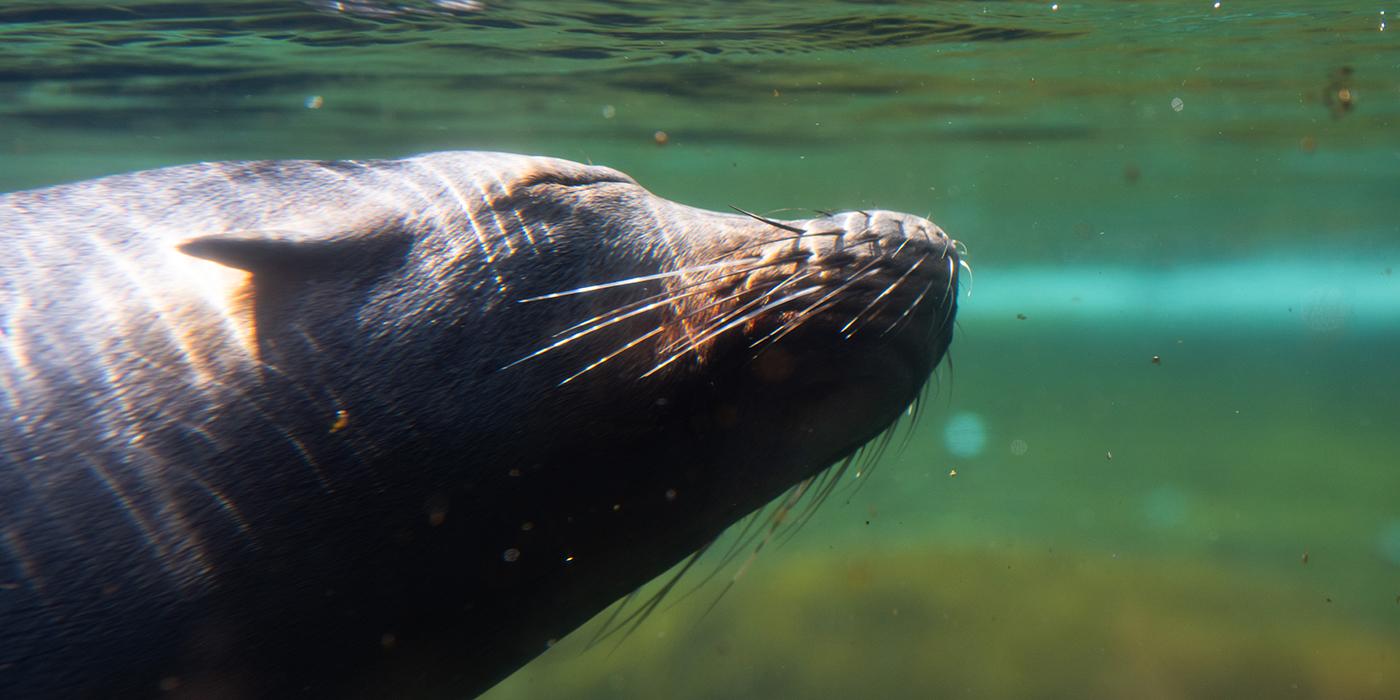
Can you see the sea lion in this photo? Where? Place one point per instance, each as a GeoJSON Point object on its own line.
{"type": "Point", "coordinates": [302, 428]}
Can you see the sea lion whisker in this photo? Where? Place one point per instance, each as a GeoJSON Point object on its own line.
{"type": "Point", "coordinates": [617, 317]}
{"type": "Point", "coordinates": [736, 322]}
{"type": "Point", "coordinates": [785, 239]}
{"type": "Point", "coordinates": [908, 310]}
{"type": "Point", "coordinates": [914, 411]}
{"type": "Point", "coordinates": [689, 337]}
{"type": "Point", "coordinates": [964, 264]}
{"type": "Point", "coordinates": [607, 625]}
{"type": "Point", "coordinates": [830, 480]}
{"type": "Point", "coordinates": [725, 317]}
{"type": "Point", "coordinates": [670, 295]}
{"type": "Point", "coordinates": [747, 536]}
{"type": "Point", "coordinates": [640, 615]}
{"type": "Point", "coordinates": [612, 317]}
{"type": "Point", "coordinates": [884, 293]}
{"type": "Point", "coordinates": [870, 458]}
{"type": "Point", "coordinates": [625, 311]}
{"type": "Point", "coordinates": [775, 522]}
{"type": "Point", "coordinates": [613, 354]}
{"type": "Point", "coordinates": [802, 316]}
{"type": "Point", "coordinates": [631, 280]}
{"type": "Point", "coordinates": [948, 300]}
{"type": "Point", "coordinates": [792, 324]}
{"type": "Point", "coordinates": [825, 482]}
{"type": "Point", "coordinates": [768, 221]}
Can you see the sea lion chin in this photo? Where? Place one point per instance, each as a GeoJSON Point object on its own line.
{"type": "Point", "coordinates": [323, 428]}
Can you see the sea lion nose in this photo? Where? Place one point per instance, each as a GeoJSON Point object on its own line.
{"type": "Point", "coordinates": [895, 234]}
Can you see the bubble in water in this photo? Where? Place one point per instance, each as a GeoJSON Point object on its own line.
{"type": "Point", "coordinates": [1177, 104]}
{"type": "Point", "coordinates": [1019, 447]}
{"type": "Point", "coordinates": [965, 434]}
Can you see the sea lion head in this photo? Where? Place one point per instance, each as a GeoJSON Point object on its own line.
{"type": "Point", "coordinates": [765, 350]}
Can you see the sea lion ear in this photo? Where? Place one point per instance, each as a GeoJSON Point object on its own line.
{"type": "Point", "coordinates": [289, 253]}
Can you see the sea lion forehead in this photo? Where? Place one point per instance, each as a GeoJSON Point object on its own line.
{"type": "Point", "coordinates": [510, 172]}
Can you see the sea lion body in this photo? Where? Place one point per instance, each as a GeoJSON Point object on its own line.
{"type": "Point", "coordinates": [300, 428]}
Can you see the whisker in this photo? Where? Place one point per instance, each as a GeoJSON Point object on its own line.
{"type": "Point", "coordinates": [736, 322]}
{"type": "Point", "coordinates": [640, 615]}
{"type": "Point", "coordinates": [879, 297]}
{"type": "Point", "coordinates": [612, 354]}
{"type": "Point", "coordinates": [632, 280]}
{"type": "Point", "coordinates": [964, 265]}
{"type": "Point", "coordinates": [830, 480]}
{"type": "Point", "coordinates": [723, 318]}
{"type": "Point", "coordinates": [621, 314]}
{"type": "Point", "coordinates": [766, 220]}
{"type": "Point", "coordinates": [591, 329]}
{"type": "Point", "coordinates": [905, 315]}
{"type": "Point", "coordinates": [807, 313]}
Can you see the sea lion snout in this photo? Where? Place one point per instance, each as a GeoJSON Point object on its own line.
{"type": "Point", "coordinates": [877, 233]}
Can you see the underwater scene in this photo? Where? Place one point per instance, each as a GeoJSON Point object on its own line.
{"type": "Point", "coordinates": [1162, 459]}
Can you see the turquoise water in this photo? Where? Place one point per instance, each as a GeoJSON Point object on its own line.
{"type": "Point", "coordinates": [1213, 187]}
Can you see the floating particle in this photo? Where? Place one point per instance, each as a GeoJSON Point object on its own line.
{"type": "Point", "coordinates": [1108, 455]}
{"type": "Point", "coordinates": [776, 93]}
{"type": "Point", "coordinates": [670, 494]}
{"type": "Point", "coordinates": [662, 138]}
{"type": "Point", "coordinates": [342, 419]}
{"type": "Point", "coordinates": [513, 472]}
{"type": "Point", "coordinates": [1338, 95]}
{"type": "Point", "coordinates": [1131, 173]}
{"type": "Point", "coordinates": [527, 526]}
{"type": "Point", "coordinates": [1305, 557]}
{"type": "Point", "coordinates": [1156, 359]}
{"type": "Point", "coordinates": [511, 555]}
{"type": "Point", "coordinates": [1177, 104]}
{"type": "Point", "coordinates": [1020, 317]}
{"type": "Point", "coordinates": [609, 111]}
{"type": "Point", "coordinates": [952, 472]}
{"type": "Point", "coordinates": [388, 640]}
{"type": "Point", "coordinates": [314, 102]}
{"type": "Point", "coordinates": [1019, 447]}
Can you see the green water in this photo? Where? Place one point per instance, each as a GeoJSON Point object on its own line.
{"type": "Point", "coordinates": [1214, 187]}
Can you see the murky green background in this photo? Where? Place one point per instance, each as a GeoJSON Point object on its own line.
{"type": "Point", "coordinates": [1215, 187]}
